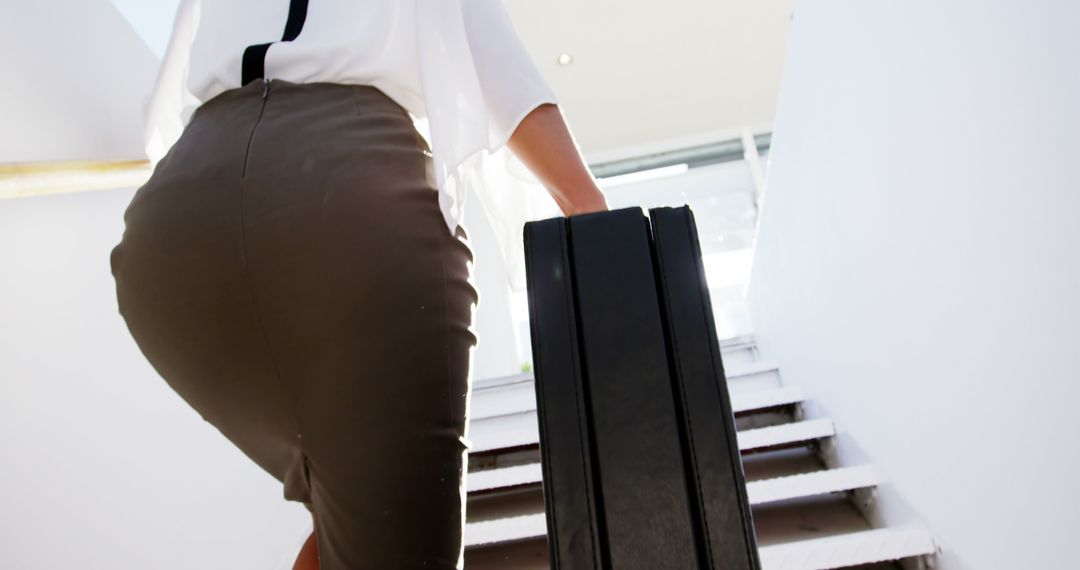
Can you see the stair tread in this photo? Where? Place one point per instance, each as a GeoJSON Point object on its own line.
{"type": "Point", "coordinates": [748, 368]}
{"type": "Point", "coordinates": [743, 369]}
{"type": "Point", "coordinates": [759, 492]}
{"type": "Point", "coordinates": [842, 550]}
{"type": "Point", "coordinates": [848, 549]}
{"type": "Point", "coordinates": [732, 345]}
{"type": "Point", "coordinates": [520, 427]}
{"type": "Point", "coordinates": [781, 434]}
{"type": "Point", "coordinates": [813, 483]}
{"type": "Point", "coordinates": [736, 342]}
{"type": "Point", "coordinates": [860, 549]}
{"type": "Point", "coordinates": [749, 439]}
{"type": "Point", "coordinates": [748, 401]}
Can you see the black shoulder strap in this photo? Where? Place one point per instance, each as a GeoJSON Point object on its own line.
{"type": "Point", "coordinates": [254, 62]}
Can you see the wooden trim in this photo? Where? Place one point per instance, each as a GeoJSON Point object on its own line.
{"type": "Point", "coordinates": [22, 179]}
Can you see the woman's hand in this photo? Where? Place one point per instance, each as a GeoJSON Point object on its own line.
{"type": "Point", "coordinates": [544, 144]}
{"type": "Point", "coordinates": [595, 203]}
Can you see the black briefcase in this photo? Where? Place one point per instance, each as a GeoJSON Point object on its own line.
{"type": "Point", "coordinates": [641, 468]}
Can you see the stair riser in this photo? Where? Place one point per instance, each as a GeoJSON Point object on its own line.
{"type": "Point", "coordinates": [741, 356]}
{"type": "Point", "coordinates": [521, 397]}
{"type": "Point", "coordinates": [525, 496]}
{"type": "Point", "coordinates": [521, 429]}
{"type": "Point", "coordinates": [860, 548]}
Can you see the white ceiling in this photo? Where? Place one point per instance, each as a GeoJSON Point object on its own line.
{"type": "Point", "coordinates": [646, 75]}
{"type": "Point", "coordinates": [646, 72]}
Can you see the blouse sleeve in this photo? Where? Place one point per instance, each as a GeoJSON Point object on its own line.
{"type": "Point", "coordinates": [511, 83]}
{"type": "Point", "coordinates": [168, 106]}
{"type": "Point", "coordinates": [479, 82]}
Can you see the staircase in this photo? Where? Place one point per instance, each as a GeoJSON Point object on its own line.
{"type": "Point", "coordinates": [809, 512]}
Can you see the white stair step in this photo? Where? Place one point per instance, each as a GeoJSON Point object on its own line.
{"type": "Point", "coordinates": [513, 394]}
{"type": "Point", "coordinates": [502, 477]}
{"type": "Point", "coordinates": [758, 375]}
{"type": "Point", "coordinates": [495, 382]}
{"type": "Point", "coordinates": [810, 484]}
{"type": "Point", "coordinates": [521, 430]}
{"type": "Point", "coordinates": [831, 552]}
{"type": "Point", "coordinates": [848, 549]}
{"type": "Point", "coordinates": [505, 529]}
{"type": "Point", "coordinates": [758, 492]}
{"type": "Point", "coordinates": [509, 398]}
{"type": "Point", "coordinates": [782, 434]}
{"type": "Point", "coordinates": [750, 401]}
{"type": "Point", "coordinates": [738, 351]}
{"type": "Point", "coordinates": [750, 439]}
{"type": "Point", "coordinates": [739, 356]}
{"type": "Point", "coordinates": [521, 427]}
{"type": "Point", "coordinates": [734, 352]}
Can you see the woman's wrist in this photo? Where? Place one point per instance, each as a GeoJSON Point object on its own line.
{"type": "Point", "coordinates": [542, 141]}
{"type": "Point", "coordinates": [593, 201]}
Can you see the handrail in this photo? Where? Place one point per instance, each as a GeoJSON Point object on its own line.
{"type": "Point", "coordinates": [23, 179]}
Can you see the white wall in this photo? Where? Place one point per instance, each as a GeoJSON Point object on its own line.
{"type": "Point", "coordinates": [73, 76]}
{"type": "Point", "coordinates": [103, 465]}
{"type": "Point", "coordinates": [918, 268]}
{"type": "Point", "coordinates": [153, 21]}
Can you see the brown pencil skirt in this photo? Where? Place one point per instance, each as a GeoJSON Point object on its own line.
{"type": "Point", "coordinates": [287, 271]}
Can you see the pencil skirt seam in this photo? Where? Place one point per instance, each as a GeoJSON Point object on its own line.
{"type": "Point", "coordinates": [246, 270]}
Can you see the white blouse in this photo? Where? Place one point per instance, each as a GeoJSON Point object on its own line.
{"type": "Point", "coordinates": [457, 66]}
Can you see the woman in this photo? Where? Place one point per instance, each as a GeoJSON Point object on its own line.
{"type": "Point", "coordinates": [288, 268]}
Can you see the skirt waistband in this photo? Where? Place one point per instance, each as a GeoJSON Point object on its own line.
{"type": "Point", "coordinates": [365, 97]}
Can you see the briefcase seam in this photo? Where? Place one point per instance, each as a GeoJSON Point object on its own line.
{"type": "Point", "coordinates": [577, 400]}
{"type": "Point", "coordinates": [682, 396]}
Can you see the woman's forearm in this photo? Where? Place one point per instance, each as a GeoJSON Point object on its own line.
{"type": "Point", "coordinates": [542, 141]}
